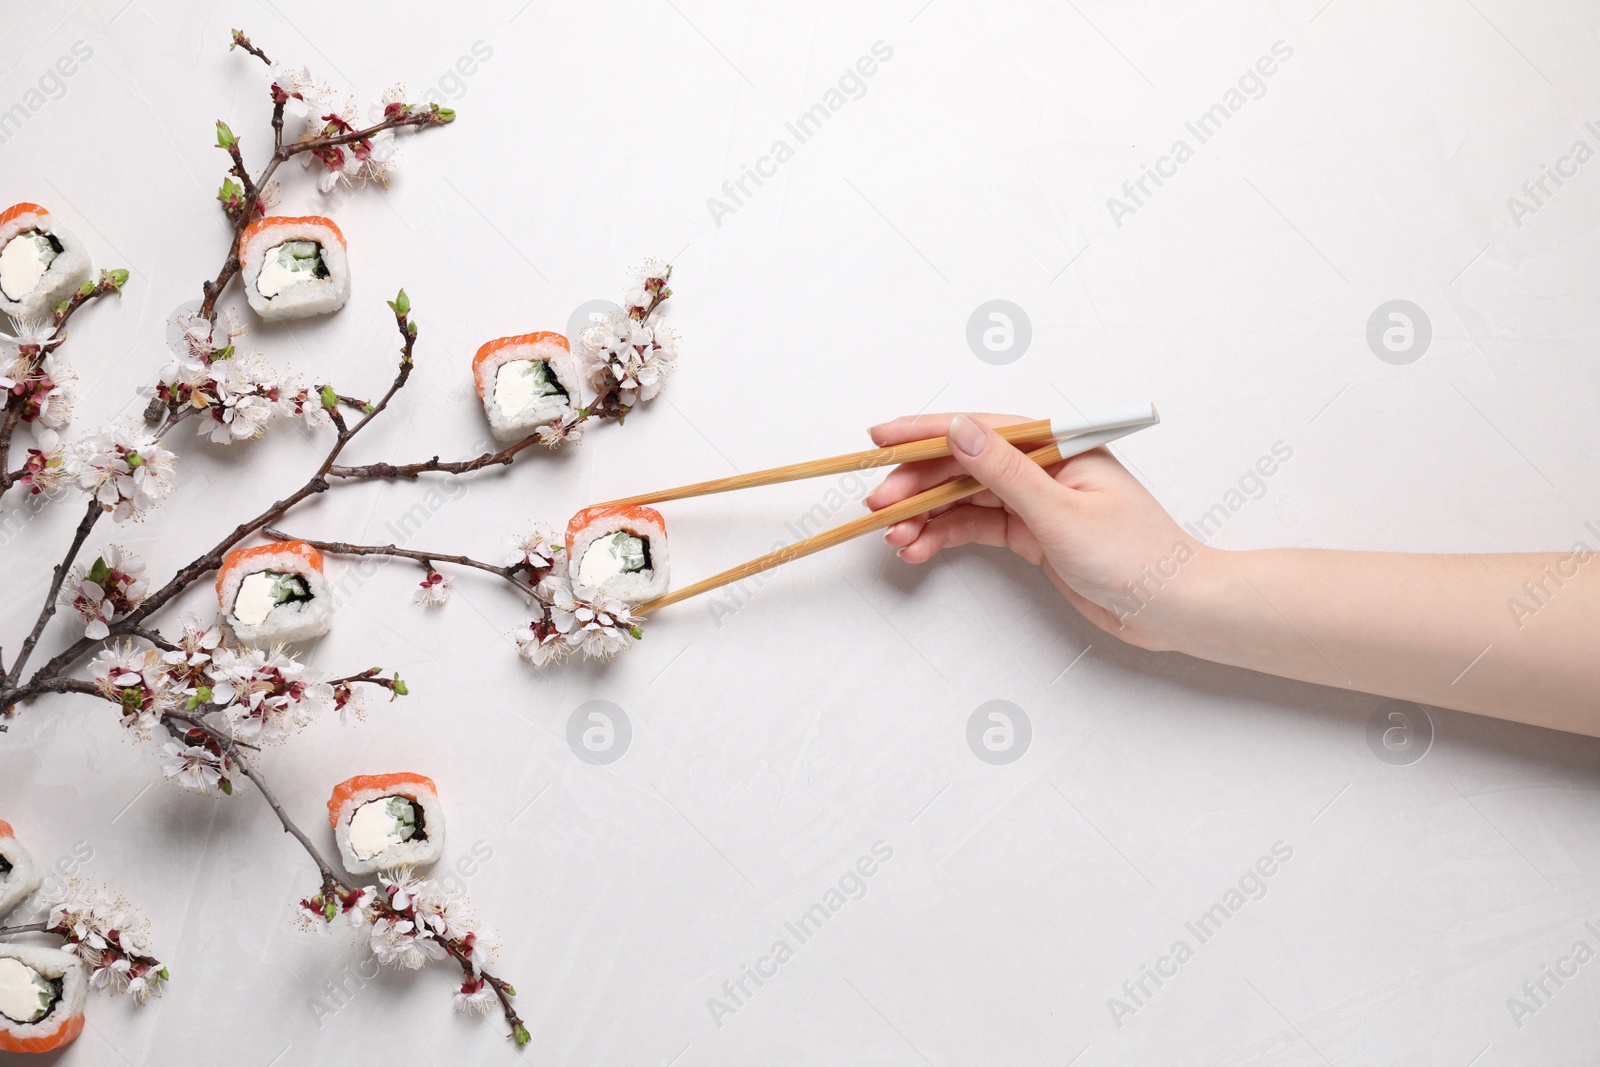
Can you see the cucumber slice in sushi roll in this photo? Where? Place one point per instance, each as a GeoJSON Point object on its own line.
{"type": "Point", "coordinates": [275, 592]}
{"type": "Point", "coordinates": [381, 821]}
{"type": "Point", "coordinates": [525, 382]}
{"type": "Point", "coordinates": [618, 551]}
{"type": "Point", "coordinates": [19, 875]}
{"type": "Point", "coordinates": [294, 267]}
{"type": "Point", "coordinates": [42, 991]}
{"type": "Point", "coordinates": [40, 263]}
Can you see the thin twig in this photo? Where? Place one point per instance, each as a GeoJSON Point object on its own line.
{"type": "Point", "coordinates": [90, 517]}
{"type": "Point", "coordinates": [27, 928]}
{"type": "Point", "coordinates": [342, 548]}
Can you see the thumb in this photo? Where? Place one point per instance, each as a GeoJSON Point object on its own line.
{"type": "Point", "coordinates": [1021, 484]}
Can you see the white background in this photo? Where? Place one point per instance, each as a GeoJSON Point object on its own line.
{"type": "Point", "coordinates": [772, 746]}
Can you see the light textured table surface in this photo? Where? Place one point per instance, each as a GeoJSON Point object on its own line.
{"type": "Point", "coordinates": [780, 737]}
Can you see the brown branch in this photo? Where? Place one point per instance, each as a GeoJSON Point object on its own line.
{"type": "Point", "coordinates": [342, 548]}
{"type": "Point", "coordinates": [504, 457]}
{"type": "Point", "coordinates": [27, 928]}
{"type": "Point", "coordinates": [90, 516]}
{"type": "Point", "coordinates": [212, 560]}
{"type": "Point", "coordinates": [241, 41]}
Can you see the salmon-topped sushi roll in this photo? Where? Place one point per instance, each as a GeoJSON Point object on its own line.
{"type": "Point", "coordinates": [294, 267]}
{"type": "Point", "coordinates": [19, 875]}
{"type": "Point", "coordinates": [526, 382]}
{"type": "Point", "coordinates": [619, 551]}
{"type": "Point", "coordinates": [382, 821]}
{"type": "Point", "coordinates": [40, 263]}
{"type": "Point", "coordinates": [275, 592]}
{"type": "Point", "coordinates": [42, 991]}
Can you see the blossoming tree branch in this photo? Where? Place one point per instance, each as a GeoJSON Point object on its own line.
{"type": "Point", "coordinates": [212, 696]}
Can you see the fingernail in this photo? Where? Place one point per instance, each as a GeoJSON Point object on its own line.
{"type": "Point", "coordinates": [967, 435]}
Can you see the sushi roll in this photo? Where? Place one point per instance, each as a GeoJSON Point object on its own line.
{"type": "Point", "coordinates": [526, 382]}
{"type": "Point", "coordinates": [19, 875]}
{"type": "Point", "coordinates": [619, 551]}
{"type": "Point", "coordinates": [42, 991]}
{"type": "Point", "coordinates": [275, 592]}
{"type": "Point", "coordinates": [293, 268]}
{"type": "Point", "coordinates": [386, 820]}
{"type": "Point", "coordinates": [40, 264]}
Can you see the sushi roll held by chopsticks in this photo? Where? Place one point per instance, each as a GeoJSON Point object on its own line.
{"type": "Point", "coordinates": [275, 592]}
{"type": "Point", "coordinates": [19, 875]}
{"type": "Point", "coordinates": [40, 263]}
{"type": "Point", "coordinates": [619, 551]}
{"type": "Point", "coordinates": [526, 382]}
{"type": "Point", "coordinates": [381, 821]}
{"type": "Point", "coordinates": [294, 268]}
{"type": "Point", "coordinates": [42, 991]}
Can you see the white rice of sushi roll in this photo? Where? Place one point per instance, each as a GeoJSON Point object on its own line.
{"type": "Point", "coordinates": [618, 551]}
{"type": "Point", "coordinates": [28, 977]}
{"type": "Point", "coordinates": [260, 601]}
{"type": "Point", "coordinates": [40, 264]}
{"type": "Point", "coordinates": [19, 875]}
{"type": "Point", "coordinates": [382, 821]}
{"type": "Point", "coordinates": [293, 268]}
{"type": "Point", "coordinates": [526, 382]}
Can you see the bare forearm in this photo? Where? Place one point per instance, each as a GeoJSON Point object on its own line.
{"type": "Point", "coordinates": [1511, 636]}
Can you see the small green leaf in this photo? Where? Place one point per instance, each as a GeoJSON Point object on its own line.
{"type": "Point", "coordinates": [400, 689]}
{"type": "Point", "coordinates": [135, 461]}
{"type": "Point", "coordinates": [100, 572]}
{"type": "Point", "coordinates": [203, 694]}
{"type": "Point", "coordinates": [164, 974]}
{"type": "Point", "coordinates": [330, 399]}
{"type": "Point", "coordinates": [445, 114]}
{"type": "Point", "coordinates": [636, 631]}
{"type": "Point", "coordinates": [520, 1035]}
{"type": "Point", "coordinates": [225, 137]}
{"type": "Point", "coordinates": [401, 305]}
{"type": "Point", "coordinates": [510, 991]}
{"type": "Point", "coordinates": [331, 910]}
{"type": "Point", "coordinates": [225, 352]}
{"type": "Point", "coordinates": [86, 289]}
{"type": "Point", "coordinates": [117, 277]}
{"type": "Point", "coordinates": [227, 787]}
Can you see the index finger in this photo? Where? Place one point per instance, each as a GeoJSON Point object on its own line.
{"type": "Point", "coordinates": [921, 427]}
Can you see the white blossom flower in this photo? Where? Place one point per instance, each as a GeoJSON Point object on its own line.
{"type": "Point", "coordinates": [536, 550]}
{"type": "Point", "coordinates": [630, 356]}
{"type": "Point", "coordinates": [602, 627]}
{"type": "Point", "coordinates": [399, 942]}
{"type": "Point", "coordinates": [568, 428]}
{"type": "Point", "coordinates": [125, 469]}
{"type": "Point", "coordinates": [475, 997]}
{"type": "Point", "coordinates": [433, 591]}
{"type": "Point", "coordinates": [265, 694]}
{"type": "Point", "coordinates": [194, 766]}
{"type": "Point", "coordinates": [358, 905]}
{"type": "Point", "coordinates": [541, 643]}
{"type": "Point", "coordinates": [110, 939]}
{"type": "Point", "coordinates": [99, 592]}
{"type": "Point", "coordinates": [35, 335]}
{"type": "Point", "coordinates": [135, 679]}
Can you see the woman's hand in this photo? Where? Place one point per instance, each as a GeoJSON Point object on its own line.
{"type": "Point", "coordinates": [1098, 534]}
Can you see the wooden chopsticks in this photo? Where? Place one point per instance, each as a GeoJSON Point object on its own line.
{"type": "Point", "coordinates": [1135, 415]}
{"type": "Point", "coordinates": [948, 493]}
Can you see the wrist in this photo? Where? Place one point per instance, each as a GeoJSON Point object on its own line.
{"type": "Point", "coordinates": [1182, 615]}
